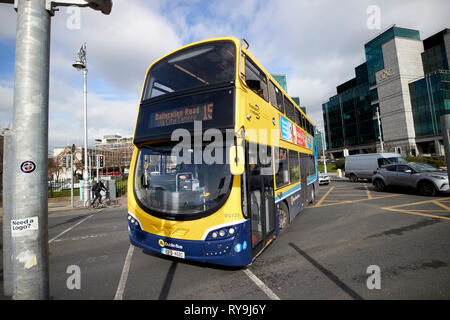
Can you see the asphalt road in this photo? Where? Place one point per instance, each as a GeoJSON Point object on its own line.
{"type": "Point", "coordinates": [325, 254]}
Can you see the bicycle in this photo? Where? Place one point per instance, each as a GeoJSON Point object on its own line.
{"type": "Point", "coordinates": [95, 203]}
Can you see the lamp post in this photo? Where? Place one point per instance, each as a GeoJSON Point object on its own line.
{"type": "Point", "coordinates": [323, 151]}
{"type": "Point", "coordinates": [80, 65]}
{"type": "Point", "coordinates": [379, 130]}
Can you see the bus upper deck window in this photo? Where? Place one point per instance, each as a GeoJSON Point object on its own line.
{"type": "Point", "coordinates": [256, 79]}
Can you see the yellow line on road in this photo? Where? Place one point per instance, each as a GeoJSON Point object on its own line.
{"type": "Point", "coordinates": [414, 203]}
{"type": "Point", "coordinates": [416, 213]}
{"type": "Point", "coordinates": [323, 198]}
{"type": "Point", "coordinates": [319, 204]}
{"type": "Point", "coordinates": [440, 204]}
{"type": "Point", "coordinates": [369, 195]}
{"type": "Point", "coordinates": [419, 212]}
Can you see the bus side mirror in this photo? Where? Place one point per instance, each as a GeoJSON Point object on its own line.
{"type": "Point", "coordinates": [237, 161]}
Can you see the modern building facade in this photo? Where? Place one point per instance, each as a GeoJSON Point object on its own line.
{"type": "Point", "coordinates": [399, 83]}
{"type": "Point", "coordinates": [281, 79]}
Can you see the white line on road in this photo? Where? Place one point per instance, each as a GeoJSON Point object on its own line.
{"type": "Point", "coordinates": [124, 276]}
{"type": "Point", "coordinates": [261, 285]}
{"type": "Point", "coordinates": [68, 229]}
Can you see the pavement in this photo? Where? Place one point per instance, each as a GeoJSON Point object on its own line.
{"type": "Point", "coordinates": [64, 204]}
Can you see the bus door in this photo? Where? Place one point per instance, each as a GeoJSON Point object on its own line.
{"type": "Point", "coordinates": [304, 177]}
{"type": "Point", "coordinates": [261, 199]}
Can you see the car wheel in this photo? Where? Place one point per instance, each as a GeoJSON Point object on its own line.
{"type": "Point", "coordinates": [283, 219]}
{"type": "Point", "coordinates": [427, 189]}
{"type": "Point", "coordinates": [379, 185]}
{"type": "Point", "coordinates": [353, 178]}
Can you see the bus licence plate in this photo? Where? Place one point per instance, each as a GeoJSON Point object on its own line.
{"type": "Point", "coordinates": [173, 253]}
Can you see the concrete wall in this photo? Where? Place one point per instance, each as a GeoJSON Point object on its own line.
{"type": "Point", "coordinates": [447, 46]}
{"type": "Point", "coordinates": [403, 63]}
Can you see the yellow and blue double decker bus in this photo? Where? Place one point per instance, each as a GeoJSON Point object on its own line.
{"type": "Point", "coordinates": [223, 158]}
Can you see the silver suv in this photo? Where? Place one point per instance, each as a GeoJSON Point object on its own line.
{"type": "Point", "coordinates": [425, 178]}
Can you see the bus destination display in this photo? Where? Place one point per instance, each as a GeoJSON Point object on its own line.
{"type": "Point", "coordinates": [201, 112]}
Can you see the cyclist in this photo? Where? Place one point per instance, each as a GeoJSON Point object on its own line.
{"type": "Point", "coordinates": [97, 188]}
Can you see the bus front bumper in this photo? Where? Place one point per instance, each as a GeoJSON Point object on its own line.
{"type": "Point", "coordinates": [231, 251]}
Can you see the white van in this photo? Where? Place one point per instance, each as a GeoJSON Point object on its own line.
{"type": "Point", "coordinates": [362, 166]}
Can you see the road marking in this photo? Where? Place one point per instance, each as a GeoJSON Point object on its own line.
{"type": "Point", "coordinates": [419, 212]}
{"type": "Point", "coordinates": [261, 285]}
{"type": "Point", "coordinates": [323, 198]}
{"type": "Point", "coordinates": [416, 213]}
{"type": "Point", "coordinates": [68, 229]}
{"type": "Point", "coordinates": [124, 276]}
{"type": "Point", "coordinates": [440, 204]}
{"type": "Point", "coordinates": [91, 236]}
{"type": "Point", "coordinates": [369, 195]}
{"type": "Point", "coordinates": [353, 201]}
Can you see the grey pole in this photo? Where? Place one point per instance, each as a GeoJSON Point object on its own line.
{"type": "Point", "coordinates": [8, 206]}
{"type": "Point", "coordinates": [323, 152]}
{"type": "Point", "coordinates": [379, 130]}
{"type": "Point", "coordinates": [28, 184]}
{"type": "Point", "coordinates": [85, 172]}
{"type": "Point", "coordinates": [445, 128]}
{"type": "Point", "coordinates": [71, 178]}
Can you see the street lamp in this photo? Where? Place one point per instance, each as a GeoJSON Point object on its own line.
{"type": "Point", "coordinates": [80, 65]}
{"type": "Point", "coordinates": [379, 129]}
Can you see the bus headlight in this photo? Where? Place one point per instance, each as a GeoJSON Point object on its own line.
{"type": "Point", "coordinates": [134, 221]}
{"type": "Point", "coordinates": [223, 233]}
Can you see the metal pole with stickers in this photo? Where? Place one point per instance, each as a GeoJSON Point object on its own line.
{"type": "Point", "coordinates": [25, 242]}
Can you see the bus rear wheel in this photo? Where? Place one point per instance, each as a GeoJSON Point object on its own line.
{"type": "Point", "coordinates": [283, 219]}
{"type": "Point", "coordinates": [313, 195]}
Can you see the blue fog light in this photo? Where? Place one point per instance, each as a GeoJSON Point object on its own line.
{"type": "Point", "coordinates": [238, 248]}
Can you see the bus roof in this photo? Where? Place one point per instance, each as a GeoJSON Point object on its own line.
{"type": "Point", "coordinates": [238, 43]}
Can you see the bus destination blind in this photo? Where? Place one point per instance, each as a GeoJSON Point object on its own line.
{"type": "Point", "coordinates": [201, 112]}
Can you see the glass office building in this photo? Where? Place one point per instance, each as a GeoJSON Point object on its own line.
{"type": "Point", "coordinates": [374, 52]}
{"type": "Point", "coordinates": [430, 99]}
{"type": "Point", "coordinates": [281, 79]}
{"type": "Point", "coordinates": [407, 81]}
{"type": "Point", "coordinates": [430, 95]}
{"type": "Point", "coordinates": [350, 118]}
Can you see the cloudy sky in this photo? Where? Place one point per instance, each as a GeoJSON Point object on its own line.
{"type": "Point", "coordinates": [316, 44]}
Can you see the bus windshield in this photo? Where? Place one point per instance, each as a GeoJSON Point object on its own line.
{"type": "Point", "coordinates": [171, 189]}
{"type": "Point", "coordinates": [196, 66]}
